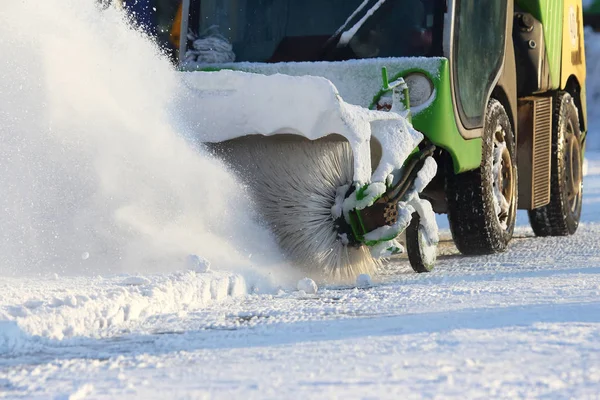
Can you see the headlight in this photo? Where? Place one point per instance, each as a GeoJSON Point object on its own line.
{"type": "Point", "coordinates": [420, 88]}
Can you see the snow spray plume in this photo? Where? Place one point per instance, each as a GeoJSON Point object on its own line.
{"type": "Point", "coordinates": [94, 174]}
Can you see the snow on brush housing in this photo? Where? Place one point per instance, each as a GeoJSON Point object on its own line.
{"type": "Point", "coordinates": [242, 103]}
{"type": "Point", "coordinates": [315, 110]}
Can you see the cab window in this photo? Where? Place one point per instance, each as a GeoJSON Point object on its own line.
{"type": "Point", "coordinates": [479, 39]}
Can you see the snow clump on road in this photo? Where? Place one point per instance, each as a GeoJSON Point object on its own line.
{"type": "Point", "coordinates": [363, 280]}
{"type": "Point", "coordinates": [307, 286]}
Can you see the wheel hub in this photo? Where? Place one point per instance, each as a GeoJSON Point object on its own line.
{"type": "Point", "coordinates": [503, 179]}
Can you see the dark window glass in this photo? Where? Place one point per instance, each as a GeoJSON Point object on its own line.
{"type": "Point", "coordinates": [478, 53]}
{"type": "Point", "coordinates": [302, 30]}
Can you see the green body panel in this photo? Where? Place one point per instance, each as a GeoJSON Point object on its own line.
{"type": "Point", "coordinates": [550, 14]}
{"type": "Point", "coordinates": [359, 82]}
{"type": "Point", "coordinates": [437, 121]}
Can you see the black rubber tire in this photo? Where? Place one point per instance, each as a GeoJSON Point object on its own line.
{"type": "Point", "coordinates": [475, 225]}
{"type": "Point", "coordinates": [418, 261]}
{"type": "Point", "coordinates": [560, 217]}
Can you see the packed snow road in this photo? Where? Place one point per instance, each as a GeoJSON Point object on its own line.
{"type": "Point", "coordinates": [521, 324]}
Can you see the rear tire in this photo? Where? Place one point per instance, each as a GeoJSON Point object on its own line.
{"type": "Point", "coordinates": [561, 216]}
{"type": "Point", "coordinates": [482, 203]}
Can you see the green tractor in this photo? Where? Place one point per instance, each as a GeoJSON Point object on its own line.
{"type": "Point", "coordinates": [496, 87]}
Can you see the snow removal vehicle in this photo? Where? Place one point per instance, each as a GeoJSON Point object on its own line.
{"type": "Point", "coordinates": [320, 106]}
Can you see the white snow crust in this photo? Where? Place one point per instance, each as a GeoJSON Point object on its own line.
{"type": "Point", "coordinates": [241, 103]}
{"type": "Point", "coordinates": [425, 175]}
{"type": "Point", "coordinates": [356, 80]}
{"type": "Point", "coordinates": [102, 307]}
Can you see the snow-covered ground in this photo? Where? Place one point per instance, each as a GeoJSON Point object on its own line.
{"type": "Point", "coordinates": [77, 319]}
{"type": "Point", "coordinates": [521, 324]}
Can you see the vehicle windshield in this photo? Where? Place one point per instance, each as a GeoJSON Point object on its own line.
{"type": "Point", "coordinates": [310, 30]}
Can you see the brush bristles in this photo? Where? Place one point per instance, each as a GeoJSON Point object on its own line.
{"type": "Point", "coordinates": [294, 184]}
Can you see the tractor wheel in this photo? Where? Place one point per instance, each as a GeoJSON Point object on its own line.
{"type": "Point", "coordinates": [482, 204]}
{"type": "Point", "coordinates": [421, 253]}
{"type": "Point", "coordinates": [561, 216]}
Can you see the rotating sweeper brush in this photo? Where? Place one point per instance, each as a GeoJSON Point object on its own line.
{"type": "Point", "coordinates": [294, 182]}
{"type": "Point", "coordinates": [300, 187]}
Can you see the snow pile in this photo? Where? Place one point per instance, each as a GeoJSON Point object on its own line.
{"type": "Point", "coordinates": [242, 103]}
{"type": "Point", "coordinates": [307, 286]}
{"type": "Point", "coordinates": [95, 172]}
{"type": "Point", "coordinates": [78, 307]}
{"type": "Point", "coordinates": [592, 47]}
{"type": "Point", "coordinates": [12, 338]}
{"type": "Point", "coordinates": [356, 80]}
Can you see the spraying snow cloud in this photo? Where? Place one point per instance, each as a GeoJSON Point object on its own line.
{"type": "Point", "coordinates": [95, 173]}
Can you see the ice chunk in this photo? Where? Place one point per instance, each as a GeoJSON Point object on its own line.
{"type": "Point", "coordinates": [197, 263]}
{"type": "Point", "coordinates": [307, 285]}
{"type": "Point", "coordinates": [11, 336]}
{"type": "Point", "coordinates": [135, 281]}
{"type": "Point", "coordinates": [363, 280]}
